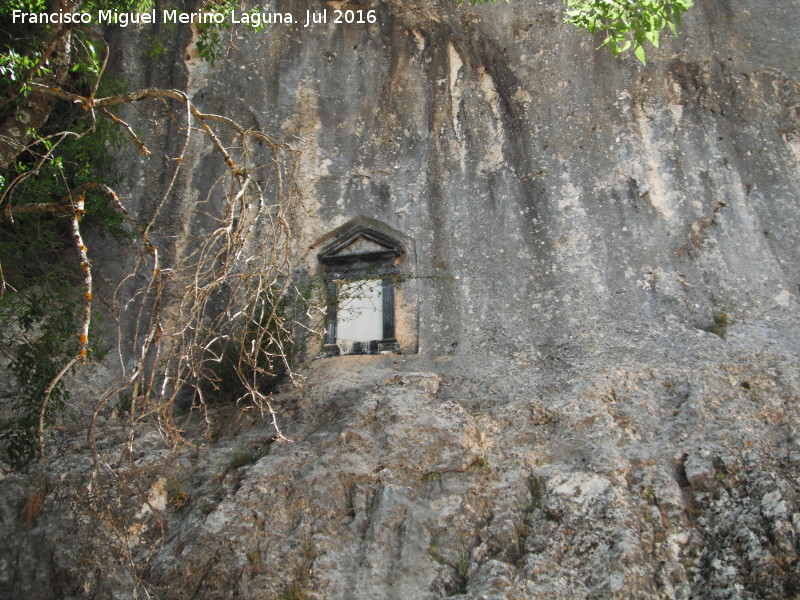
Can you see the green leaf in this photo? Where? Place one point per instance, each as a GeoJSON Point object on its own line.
{"type": "Point", "coordinates": [639, 52]}
{"type": "Point", "coordinates": [626, 22]}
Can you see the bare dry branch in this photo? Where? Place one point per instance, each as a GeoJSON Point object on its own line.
{"type": "Point", "coordinates": [86, 266]}
{"type": "Point", "coordinates": [211, 319]}
{"type": "Point", "coordinates": [46, 400]}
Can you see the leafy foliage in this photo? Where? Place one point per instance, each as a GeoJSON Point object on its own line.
{"type": "Point", "coordinates": [627, 23]}
{"type": "Point", "coordinates": [40, 175]}
{"type": "Point", "coordinates": [42, 290]}
{"type": "Point", "coordinates": [24, 46]}
{"type": "Point", "coordinates": [210, 41]}
{"type": "Point", "coordinates": [38, 332]}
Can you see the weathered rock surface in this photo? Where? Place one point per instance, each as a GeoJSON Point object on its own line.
{"type": "Point", "coordinates": [669, 481]}
{"type": "Point", "coordinates": [569, 429]}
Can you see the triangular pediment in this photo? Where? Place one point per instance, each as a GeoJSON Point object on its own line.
{"type": "Point", "coordinates": [361, 243]}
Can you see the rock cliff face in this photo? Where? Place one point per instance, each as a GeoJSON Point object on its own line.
{"type": "Point", "coordinates": [570, 428]}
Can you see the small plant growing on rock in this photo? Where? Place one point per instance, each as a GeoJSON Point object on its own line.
{"type": "Point", "coordinates": [433, 550]}
{"type": "Point", "coordinates": [176, 495]}
{"type": "Point", "coordinates": [463, 562]}
{"type": "Point", "coordinates": [535, 490]}
{"type": "Point", "coordinates": [254, 557]}
{"type": "Point", "coordinates": [293, 591]}
{"type": "Point", "coordinates": [481, 461]}
{"type": "Point", "coordinates": [721, 322]}
{"type": "Point", "coordinates": [243, 456]}
{"type": "Point", "coordinates": [462, 570]}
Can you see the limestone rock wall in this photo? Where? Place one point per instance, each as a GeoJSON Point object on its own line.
{"type": "Point", "coordinates": [547, 187]}
{"type": "Point", "coordinates": [570, 428]}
